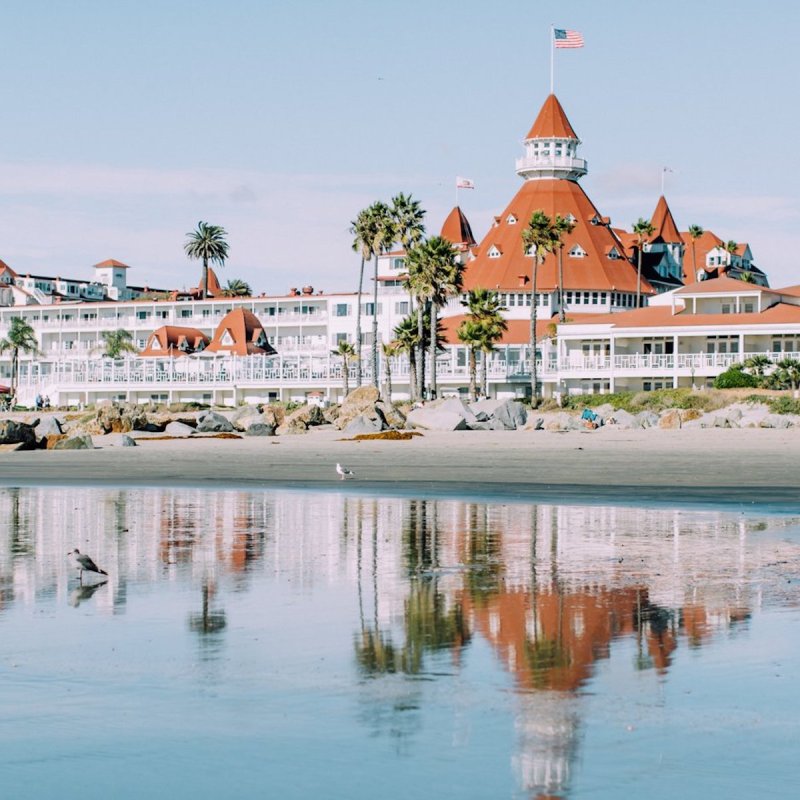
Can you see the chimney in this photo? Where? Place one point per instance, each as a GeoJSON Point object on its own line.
{"type": "Point", "coordinates": [308, 290]}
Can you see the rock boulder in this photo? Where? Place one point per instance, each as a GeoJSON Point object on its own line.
{"type": "Point", "coordinates": [211, 422]}
{"type": "Point", "coordinates": [82, 442]}
{"type": "Point", "coordinates": [12, 432]}
{"type": "Point", "coordinates": [433, 419]}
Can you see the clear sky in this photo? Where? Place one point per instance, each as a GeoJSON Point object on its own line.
{"type": "Point", "coordinates": [125, 123]}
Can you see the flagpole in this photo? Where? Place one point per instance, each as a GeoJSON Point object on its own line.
{"type": "Point", "coordinates": [552, 54]}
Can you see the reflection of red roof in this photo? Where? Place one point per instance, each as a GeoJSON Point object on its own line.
{"type": "Point", "coordinates": [241, 333]}
{"type": "Point", "coordinates": [457, 230]}
{"type": "Point", "coordinates": [665, 228]}
{"type": "Point", "coordinates": [594, 271]}
{"type": "Point", "coordinates": [174, 340]}
{"type": "Point", "coordinates": [112, 262]}
{"type": "Point", "coordinates": [551, 122]}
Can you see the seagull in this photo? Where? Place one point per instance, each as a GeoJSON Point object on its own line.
{"type": "Point", "coordinates": [344, 472]}
{"type": "Point", "coordinates": [84, 563]}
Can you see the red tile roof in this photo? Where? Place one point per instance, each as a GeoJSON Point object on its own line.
{"type": "Point", "coordinates": [174, 340]}
{"type": "Point", "coordinates": [552, 122]}
{"type": "Point", "coordinates": [722, 284]}
{"type": "Point", "coordinates": [518, 332]}
{"type": "Point", "coordinates": [697, 250]}
{"type": "Point", "coordinates": [789, 291]}
{"type": "Point", "coordinates": [112, 262]}
{"type": "Point", "coordinates": [457, 230]}
{"type": "Point", "coordinates": [240, 332]}
{"type": "Point", "coordinates": [665, 228]}
{"type": "Point", "coordinates": [593, 272]}
{"type": "Point", "coordinates": [4, 267]}
{"type": "Point", "coordinates": [662, 316]}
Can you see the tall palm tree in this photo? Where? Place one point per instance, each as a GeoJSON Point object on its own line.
{"type": "Point", "coordinates": [470, 333]}
{"type": "Point", "coordinates": [643, 229]}
{"type": "Point", "coordinates": [361, 229]}
{"type": "Point", "coordinates": [789, 371]}
{"type": "Point", "coordinates": [407, 341]}
{"type": "Point", "coordinates": [382, 237]}
{"type": "Point", "coordinates": [419, 283]}
{"type": "Point", "coordinates": [538, 239]}
{"type": "Point", "coordinates": [695, 231]}
{"type": "Point", "coordinates": [562, 227]}
{"type": "Point", "coordinates": [491, 333]}
{"type": "Point", "coordinates": [21, 338]}
{"type": "Point", "coordinates": [408, 217]}
{"type": "Point", "coordinates": [118, 342]}
{"type": "Point", "coordinates": [207, 244]}
{"type": "Point", "coordinates": [347, 353]}
{"type": "Point", "coordinates": [440, 274]}
{"type": "Point", "coordinates": [237, 288]}
{"type": "Point", "coordinates": [389, 350]}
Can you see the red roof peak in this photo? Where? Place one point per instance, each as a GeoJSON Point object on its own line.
{"type": "Point", "coordinates": [4, 267]}
{"type": "Point", "coordinates": [112, 262]}
{"type": "Point", "coordinates": [552, 122]}
{"type": "Point", "coordinates": [665, 228]}
{"type": "Point", "coordinates": [457, 230]}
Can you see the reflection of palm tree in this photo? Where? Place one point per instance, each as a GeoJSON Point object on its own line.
{"type": "Point", "coordinates": [207, 621]}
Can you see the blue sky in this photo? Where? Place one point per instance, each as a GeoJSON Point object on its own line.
{"type": "Point", "coordinates": [125, 123]}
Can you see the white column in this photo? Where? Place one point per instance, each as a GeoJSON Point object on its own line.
{"type": "Point", "coordinates": [675, 339]}
{"type": "Point", "coordinates": [612, 372]}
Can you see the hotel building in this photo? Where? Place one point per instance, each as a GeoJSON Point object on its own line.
{"type": "Point", "coordinates": [705, 303]}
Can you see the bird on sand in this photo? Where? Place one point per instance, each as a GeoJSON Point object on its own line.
{"type": "Point", "coordinates": [84, 563]}
{"type": "Point", "coordinates": [344, 472]}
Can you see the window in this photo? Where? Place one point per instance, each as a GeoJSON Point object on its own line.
{"type": "Point", "coordinates": [162, 314]}
{"type": "Point", "coordinates": [398, 263]}
{"type": "Point", "coordinates": [402, 307]}
{"type": "Point", "coordinates": [206, 312]}
{"type": "Point", "coordinates": [512, 300]}
{"type": "Point", "coordinates": [186, 312]}
{"type": "Point", "coordinates": [726, 308]}
{"type": "Point", "coordinates": [586, 298]}
{"type": "Point", "coordinates": [494, 252]}
{"type": "Point", "coordinates": [142, 314]}
{"type": "Point", "coordinates": [340, 337]}
{"type": "Point", "coordinates": [577, 252]}
{"type": "Point", "coordinates": [569, 297]}
{"type": "Point", "coordinates": [603, 297]}
{"type": "Point", "coordinates": [341, 310]}
{"type": "Point", "coordinates": [68, 344]}
{"type": "Point", "coordinates": [369, 309]}
{"type": "Point", "coordinates": [511, 219]}
{"type": "Point", "coordinates": [749, 308]}
{"type": "Point", "coordinates": [594, 298]}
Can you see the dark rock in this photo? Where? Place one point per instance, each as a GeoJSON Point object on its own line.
{"type": "Point", "coordinates": [12, 432]}
{"type": "Point", "coordinates": [82, 442]}
{"type": "Point", "coordinates": [211, 422]}
{"type": "Point", "coordinates": [260, 429]}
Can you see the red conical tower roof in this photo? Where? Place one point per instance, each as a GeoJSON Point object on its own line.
{"type": "Point", "coordinates": [665, 228]}
{"type": "Point", "coordinates": [457, 230]}
{"type": "Point", "coordinates": [552, 122]}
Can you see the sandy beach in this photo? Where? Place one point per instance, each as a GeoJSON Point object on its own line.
{"type": "Point", "coordinates": [680, 466]}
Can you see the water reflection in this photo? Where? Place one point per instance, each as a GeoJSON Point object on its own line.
{"type": "Point", "coordinates": [550, 592]}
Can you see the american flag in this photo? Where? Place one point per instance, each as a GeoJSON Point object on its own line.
{"type": "Point", "coordinates": [565, 38]}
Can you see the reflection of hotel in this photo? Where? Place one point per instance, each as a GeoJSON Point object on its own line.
{"type": "Point", "coordinates": [701, 317]}
{"type": "Point", "coordinates": [553, 590]}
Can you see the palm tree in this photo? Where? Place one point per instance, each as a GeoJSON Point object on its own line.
{"type": "Point", "coordinates": [757, 365]}
{"type": "Point", "coordinates": [471, 333]}
{"type": "Point", "coordinates": [407, 341]}
{"type": "Point", "coordinates": [21, 337]}
{"type": "Point", "coordinates": [538, 239]}
{"type": "Point", "coordinates": [695, 231]}
{"type": "Point", "coordinates": [118, 342]}
{"type": "Point", "coordinates": [207, 243]}
{"type": "Point", "coordinates": [789, 371]}
{"type": "Point", "coordinates": [237, 288]}
{"type": "Point", "coordinates": [408, 216]}
{"type": "Point", "coordinates": [361, 229]}
{"type": "Point", "coordinates": [347, 353]}
{"type": "Point", "coordinates": [562, 227]}
{"type": "Point", "coordinates": [730, 248]}
{"type": "Point", "coordinates": [381, 239]}
{"type": "Point", "coordinates": [419, 283]}
{"type": "Point", "coordinates": [643, 228]}
{"type": "Point", "coordinates": [389, 350]}
{"type": "Point", "coordinates": [747, 277]}
{"type": "Point", "coordinates": [485, 310]}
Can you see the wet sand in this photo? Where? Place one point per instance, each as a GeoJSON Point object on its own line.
{"type": "Point", "coordinates": [697, 466]}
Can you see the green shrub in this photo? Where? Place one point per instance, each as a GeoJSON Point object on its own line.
{"type": "Point", "coordinates": [784, 405]}
{"type": "Point", "coordinates": [735, 378]}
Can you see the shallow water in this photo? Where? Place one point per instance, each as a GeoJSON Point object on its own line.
{"type": "Point", "coordinates": [290, 645]}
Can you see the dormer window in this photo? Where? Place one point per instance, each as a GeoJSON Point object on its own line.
{"type": "Point", "coordinates": [571, 219]}
{"type": "Point", "coordinates": [577, 252]}
{"type": "Point", "coordinates": [227, 339]}
{"type": "Point", "coordinates": [613, 254]}
{"type": "Point", "coordinates": [511, 219]}
{"type": "Point", "coordinates": [596, 220]}
{"type": "Point", "coordinates": [494, 252]}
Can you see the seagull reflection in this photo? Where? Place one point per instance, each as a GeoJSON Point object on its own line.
{"type": "Point", "coordinates": [81, 593]}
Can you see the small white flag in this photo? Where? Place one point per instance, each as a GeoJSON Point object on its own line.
{"type": "Point", "coordinates": [464, 183]}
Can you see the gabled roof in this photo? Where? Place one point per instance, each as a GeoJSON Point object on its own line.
{"type": "Point", "coordinates": [665, 228]}
{"type": "Point", "coordinates": [5, 268]}
{"type": "Point", "coordinates": [596, 271]}
{"type": "Point", "coordinates": [697, 249]}
{"type": "Point", "coordinates": [457, 230]}
{"type": "Point", "coordinates": [552, 122]}
{"type": "Point", "coordinates": [111, 262]}
{"type": "Point", "coordinates": [723, 284]}
{"type": "Point", "coordinates": [174, 340]}
{"type": "Point", "coordinates": [240, 332]}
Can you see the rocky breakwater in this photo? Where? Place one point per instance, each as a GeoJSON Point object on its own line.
{"type": "Point", "coordinates": [364, 412]}
{"type": "Point", "coordinates": [454, 414]}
